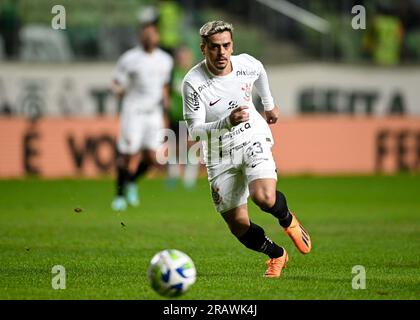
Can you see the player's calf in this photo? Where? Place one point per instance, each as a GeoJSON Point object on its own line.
{"type": "Point", "coordinates": [290, 223]}
{"type": "Point", "coordinates": [122, 175]}
{"type": "Point", "coordinates": [255, 239]}
{"type": "Point", "coordinates": [280, 210]}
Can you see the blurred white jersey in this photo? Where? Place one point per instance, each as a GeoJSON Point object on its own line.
{"type": "Point", "coordinates": [208, 101]}
{"type": "Point", "coordinates": [143, 75]}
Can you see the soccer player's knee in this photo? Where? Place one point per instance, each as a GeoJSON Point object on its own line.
{"type": "Point", "coordinates": [265, 199]}
{"type": "Point", "coordinates": [279, 209]}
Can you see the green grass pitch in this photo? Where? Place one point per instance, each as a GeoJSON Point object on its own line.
{"type": "Point", "coordinates": [368, 221]}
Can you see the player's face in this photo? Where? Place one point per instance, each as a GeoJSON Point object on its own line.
{"type": "Point", "coordinates": [217, 50]}
{"type": "Point", "coordinates": [149, 38]}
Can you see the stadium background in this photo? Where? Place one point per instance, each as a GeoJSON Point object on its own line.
{"type": "Point", "coordinates": [350, 125]}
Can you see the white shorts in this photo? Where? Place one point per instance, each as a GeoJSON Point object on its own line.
{"type": "Point", "coordinates": [140, 131]}
{"type": "Point", "coordinates": [229, 181]}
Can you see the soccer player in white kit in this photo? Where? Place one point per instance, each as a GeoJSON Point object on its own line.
{"type": "Point", "coordinates": [141, 79]}
{"type": "Point", "coordinates": [237, 141]}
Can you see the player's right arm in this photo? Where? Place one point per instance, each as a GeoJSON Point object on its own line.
{"type": "Point", "coordinates": [120, 79]}
{"type": "Point", "coordinates": [195, 114]}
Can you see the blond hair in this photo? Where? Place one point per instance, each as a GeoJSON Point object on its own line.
{"type": "Point", "coordinates": [212, 27]}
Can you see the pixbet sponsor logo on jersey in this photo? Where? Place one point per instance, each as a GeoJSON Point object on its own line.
{"type": "Point", "coordinates": [205, 85]}
{"type": "Point", "coordinates": [247, 73]}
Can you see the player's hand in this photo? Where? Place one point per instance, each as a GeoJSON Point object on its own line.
{"type": "Point", "coordinates": [117, 89]}
{"type": "Point", "coordinates": [272, 115]}
{"type": "Point", "coordinates": [239, 115]}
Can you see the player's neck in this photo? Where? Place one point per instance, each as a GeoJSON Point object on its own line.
{"type": "Point", "coordinates": [148, 50]}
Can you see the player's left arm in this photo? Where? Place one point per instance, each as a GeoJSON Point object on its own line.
{"type": "Point", "coordinates": [271, 111]}
{"type": "Point", "coordinates": [272, 115]}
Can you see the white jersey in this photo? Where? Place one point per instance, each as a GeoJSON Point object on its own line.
{"type": "Point", "coordinates": [208, 101]}
{"type": "Point", "coordinates": [143, 75]}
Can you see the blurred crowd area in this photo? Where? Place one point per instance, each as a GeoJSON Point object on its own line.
{"type": "Point", "coordinates": [351, 92]}
{"type": "Point", "coordinates": [277, 31]}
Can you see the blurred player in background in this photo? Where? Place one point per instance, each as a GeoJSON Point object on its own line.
{"type": "Point", "coordinates": [183, 62]}
{"type": "Point", "coordinates": [142, 80]}
{"type": "Point", "coordinates": [217, 96]}
{"type": "Point", "coordinates": [384, 37]}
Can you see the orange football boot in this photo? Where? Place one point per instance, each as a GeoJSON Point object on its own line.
{"type": "Point", "coordinates": [299, 235]}
{"type": "Point", "coordinates": [276, 265]}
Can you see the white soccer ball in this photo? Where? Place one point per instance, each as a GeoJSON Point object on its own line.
{"type": "Point", "coordinates": [171, 273]}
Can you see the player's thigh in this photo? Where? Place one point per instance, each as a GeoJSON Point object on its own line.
{"type": "Point", "coordinates": [130, 137]}
{"type": "Point", "coordinates": [153, 133]}
{"type": "Point", "coordinates": [229, 188]}
{"type": "Point", "coordinates": [237, 219]}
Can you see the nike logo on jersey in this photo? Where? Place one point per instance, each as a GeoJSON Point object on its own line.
{"type": "Point", "coordinates": [256, 164]}
{"type": "Point", "coordinates": [212, 103]}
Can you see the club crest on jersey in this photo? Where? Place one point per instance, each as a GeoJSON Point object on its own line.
{"type": "Point", "coordinates": [247, 89]}
{"type": "Point", "coordinates": [217, 198]}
